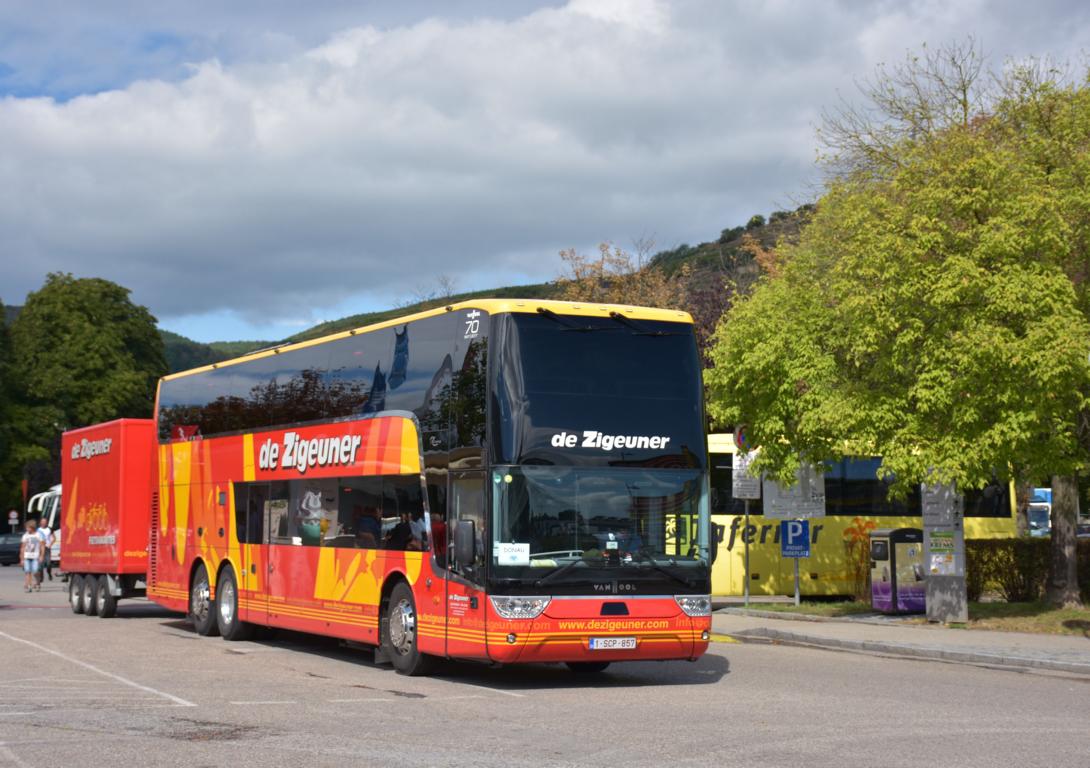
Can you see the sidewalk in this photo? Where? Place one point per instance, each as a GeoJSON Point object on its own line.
{"type": "Point", "coordinates": [1008, 650]}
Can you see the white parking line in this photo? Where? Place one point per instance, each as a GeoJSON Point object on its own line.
{"type": "Point", "coordinates": [11, 757]}
{"type": "Point", "coordinates": [169, 696]}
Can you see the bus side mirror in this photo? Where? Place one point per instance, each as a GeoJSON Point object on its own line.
{"type": "Point", "coordinates": [465, 543]}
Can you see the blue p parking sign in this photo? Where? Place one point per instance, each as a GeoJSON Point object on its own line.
{"type": "Point", "coordinates": [795, 538]}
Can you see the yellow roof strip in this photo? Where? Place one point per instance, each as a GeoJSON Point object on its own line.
{"type": "Point", "coordinates": [491, 306]}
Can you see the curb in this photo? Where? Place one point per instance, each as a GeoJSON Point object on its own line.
{"type": "Point", "coordinates": [919, 652]}
{"type": "Point", "coordinates": [861, 618]}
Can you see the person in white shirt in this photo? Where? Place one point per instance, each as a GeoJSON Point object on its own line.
{"type": "Point", "coordinates": [46, 566]}
{"type": "Point", "coordinates": [30, 555]}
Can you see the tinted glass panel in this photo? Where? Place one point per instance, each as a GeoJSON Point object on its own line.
{"type": "Point", "coordinates": [406, 367]}
{"type": "Point", "coordinates": [722, 476]}
{"type": "Point", "coordinates": [992, 501]}
{"type": "Point", "coordinates": [853, 487]}
{"type": "Point", "coordinates": [595, 391]}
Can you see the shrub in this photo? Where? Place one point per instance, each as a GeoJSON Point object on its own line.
{"type": "Point", "coordinates": [1016, 568]}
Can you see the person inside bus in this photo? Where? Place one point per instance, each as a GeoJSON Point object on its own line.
{"type": "Point", "coordinates": [419, 528]}
{"type": "Point", "coordinates": [401, 535]}
{"type": "Point", "coordinates": [368, 524]}
{"type": "Point", "coordinates": [439, 537]}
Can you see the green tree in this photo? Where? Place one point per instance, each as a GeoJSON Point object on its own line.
{"type": "Point", "coordinates": [930, 312]}
{"type": "Point", "coordinates": [81, 352]}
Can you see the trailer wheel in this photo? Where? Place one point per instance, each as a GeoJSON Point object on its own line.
{"type": "Point", "coordinates": [587, 667]}
{"type": "Point", "coordinates": [227, 620]}
{"type": "Point", "coordinates": [201, 614]}
{"type": "Point", "coordinates": [402, 634]}
{"type": "Point", "coordinates": [75, 590]}
{"type": "Point", "coordinates": [107, 603]}
{"type": "Point", "coordinates": [89, 594]}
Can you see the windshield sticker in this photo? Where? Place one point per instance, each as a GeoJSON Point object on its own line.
{"type": "Point", "coordinates": [592, 438]}
{"type": "Point", "coordinates": [512, 553]}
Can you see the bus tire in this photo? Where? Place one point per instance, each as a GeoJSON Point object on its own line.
{"type": "Point", "coordinates": [231, 627]}
{"type": "Point", "coordinates": [401, 639]}
{"type": "Point", "coordinates": [75, 593]}
{"type": "Point", "coordinates": [202, 614]}
{"type": "Point", "coordinates": [587, 667]}
{"type": "Point", "coordinates": [107, 603]}
{"type": "Point", "coordinates": [89, 594]}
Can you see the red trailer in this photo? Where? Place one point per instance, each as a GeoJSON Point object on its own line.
{"type": "Point", "coordinates": [107, 470]}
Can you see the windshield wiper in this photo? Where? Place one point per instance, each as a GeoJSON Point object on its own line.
{"type": "Point", "coordinates": [650, 561]}
{"type": "Point", "coordinates": [639, 330]}
{"type": "Point", "coordinates": [555, 574]}
{"type": "Point", "coordinates": [568, 325]}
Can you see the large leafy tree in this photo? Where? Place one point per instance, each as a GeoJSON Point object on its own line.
{"type": "Point", "coordinates": [81, 352]}
{"type": "Point", "coordinates": [932, 312]}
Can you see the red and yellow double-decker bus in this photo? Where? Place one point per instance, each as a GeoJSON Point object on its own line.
{"type": "Point", "coordinates": [505, 481]}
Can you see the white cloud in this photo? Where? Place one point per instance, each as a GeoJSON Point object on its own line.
{"type": "Point", "coordinates": [476, 148]}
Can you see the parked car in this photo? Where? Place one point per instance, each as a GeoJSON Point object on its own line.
{"type": "Point", "coordinates": [1082, 530]}
{"type": "Point", "coordinates": [9, 547]}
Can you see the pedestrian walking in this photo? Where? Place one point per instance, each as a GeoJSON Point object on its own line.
{"type": "Point", "coordinates": [46, 534]}
{"type": "Point", "coordinates": [30, 555]}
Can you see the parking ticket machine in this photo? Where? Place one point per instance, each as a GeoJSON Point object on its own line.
{"type": "Point", "coordinates": [897, 570]}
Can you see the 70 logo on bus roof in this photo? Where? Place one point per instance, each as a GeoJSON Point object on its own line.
{"type": "Point", "coordinates": [302, 454]}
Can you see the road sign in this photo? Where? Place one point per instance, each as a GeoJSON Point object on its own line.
{"type": "Point", "coordinates": [806, 498]}
{"type": "Point", "coordinates": [795, 538]}
{"type": "Point", "coordinates": [741, 439]}
{"type": "Point", "coordinates": [13, 516]}
{"type": "Point", "coordinates": [743, 484]}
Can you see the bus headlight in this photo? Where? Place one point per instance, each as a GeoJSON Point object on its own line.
{"type": "Point", "coordinates": [695, 605]}
{"type": "Point", "coordinates": [519, 607]}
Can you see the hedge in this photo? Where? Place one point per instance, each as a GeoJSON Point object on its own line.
{"type": "Point", "coordinates": [1016, 568]}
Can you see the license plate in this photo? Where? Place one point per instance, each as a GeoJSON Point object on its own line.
{"type": "Point", "coordinates": [611, 643]}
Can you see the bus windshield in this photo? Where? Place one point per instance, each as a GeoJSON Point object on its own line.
{"type": "Point", "coordinates": [595, 391]}
{"type": "Point", "coordinates": [563, 525]}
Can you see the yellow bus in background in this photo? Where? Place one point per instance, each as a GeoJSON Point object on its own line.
{"type": "Point", "coordinates": [854, 496]}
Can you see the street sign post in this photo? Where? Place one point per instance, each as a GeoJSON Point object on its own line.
{"type": "Point", "coordinates": [743, 484]}
{"type": "Point", "coordinates": [746, 487]}
{"type": "Point", "coordinates": [13, 520]}
{"type": "Point", "coordinates": [795, 543]}
{"type": "Point", "coordinates": [805, 499]}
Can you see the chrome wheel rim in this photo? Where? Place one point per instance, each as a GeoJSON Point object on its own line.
{"type": "Point", "coordinates": [227, 603]}
{"type": "Point", "coordinates": [198, 600]}
{"type": "Point", "coordinates": [73, 595]}
{"type": "Point", "coordinates": [403, 627]}
{"type": "Point", "coordinates": [88, 597]}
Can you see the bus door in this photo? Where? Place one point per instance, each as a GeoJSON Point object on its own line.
{"type": "Point", "coordinates": [251, 526]}
{"type": "Point", "coordinates": [465, 613]}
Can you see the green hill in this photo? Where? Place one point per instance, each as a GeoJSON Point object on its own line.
{"type": "Point", "coordinates": [183, 354]}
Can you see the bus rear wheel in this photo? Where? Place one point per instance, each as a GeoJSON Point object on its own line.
{"type": "Point", "coordinates": [107, 603]}
{"type": "Point", "coordinates": [201, 614]}
{"type": "Point", "coordinates": [402, 638]}
{"type": "Point", "coordinates": [227, 620]}
{"type": "Point", "coordinates": [75, 593]}
{"type": "Point", "coordinates": [587, 667]}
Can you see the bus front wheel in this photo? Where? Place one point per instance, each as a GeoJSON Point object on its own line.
{"type": "Point", "coordinates": [402, 634]}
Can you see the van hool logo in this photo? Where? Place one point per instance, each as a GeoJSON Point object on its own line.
{"type": "Point", "coordinates": [301, 454]}
{"type": "Point", "coordinates": [88, 449]}
{"type": "Point", "coordinates": [594, 439]}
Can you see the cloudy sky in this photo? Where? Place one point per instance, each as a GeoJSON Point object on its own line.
{"type": "Point", "coordinates": [253, 167]}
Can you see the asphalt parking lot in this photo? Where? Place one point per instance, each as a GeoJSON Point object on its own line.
{"type": "Point", "coordinates": [143, 689]}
